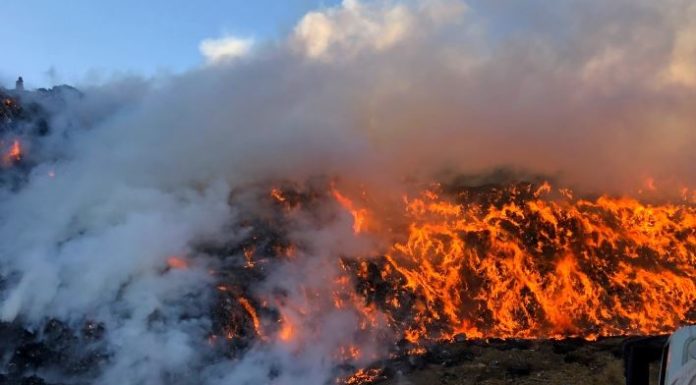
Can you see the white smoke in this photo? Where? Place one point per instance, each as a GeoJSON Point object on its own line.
{"type": "Point", "coordinates": [602, 96]}
{"type": "Point", "coordinates": [225, 48]}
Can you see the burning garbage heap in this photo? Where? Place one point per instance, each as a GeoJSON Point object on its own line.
{"type": "Point", "coordinates": [456, 262]}
{"type": "Point", "coordinates": [460, 260]}
{"type": "Point", "coordinates": [156, 210]}
{"type": "Point", "coordinates": [514, 260]}
{"type": "Point", "coordinates": [464, 260]}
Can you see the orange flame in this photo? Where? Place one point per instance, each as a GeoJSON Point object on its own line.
{"type": "Point", "coordinates": [364, 376]}
{"type": "Point", "coordinates": [252, 313]}
{"type": "Point", "coordinates": [544, 268]}
{"type": "Point", "coordinates": [359, 215]}
{"type": "Point", "coordinates": [13, 154]}
{"type": "Point", "coordinates": [177, 263]}
{"type": "Point", "coordinates": [277, 195]}
{"type": "Point", "coordinates": [287, 331]}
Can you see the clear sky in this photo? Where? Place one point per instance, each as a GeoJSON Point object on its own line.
{"type": "Point", "coordinates": [73, 41]}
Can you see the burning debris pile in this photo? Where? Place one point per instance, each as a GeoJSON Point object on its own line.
{"type": "Point", "coordinates": [452, 266]}
{"type": "Point", "coordinates": [464, 263]}
{"type": "Point", "coordinates": [294, 215]}
{"type": "Point", "coordinates": [459, 262]}
{"type": "Point", "coordinates": [514, 260]}
{"type": "Point", "coordinates": [385, 283]}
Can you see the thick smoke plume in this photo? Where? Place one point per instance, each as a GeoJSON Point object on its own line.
{"type": "Point", "coordinates": [599, 95]}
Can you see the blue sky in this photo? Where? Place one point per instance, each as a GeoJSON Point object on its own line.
{"type": "Point", "coordinates": [76, 41]}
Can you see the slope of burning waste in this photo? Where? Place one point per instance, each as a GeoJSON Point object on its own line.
{"type": "Point", "coordinates": [462, 263]}
{"type": "Point", "coordinates": [516, 260]}
{"type": "Point", "coordinates": [291, 214]}
{"type": "Point", "coordinates": [450, 262]}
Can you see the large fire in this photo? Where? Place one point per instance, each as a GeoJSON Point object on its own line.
{"type": "Point", "coordinates": [516, 261]}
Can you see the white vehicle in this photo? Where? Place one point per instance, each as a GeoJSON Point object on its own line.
{"type": "Point", "coordinates": [678, 366]}
{"type": "Point", "coordinates": [677, 355]}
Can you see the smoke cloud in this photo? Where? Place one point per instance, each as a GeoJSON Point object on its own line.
{"type": "Point", "coordinates": [226, 48]}
{"type": "Point", "coordinates": [599, 95]}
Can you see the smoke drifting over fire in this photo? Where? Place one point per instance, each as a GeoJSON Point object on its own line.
{"type": "Point", "coordinates": [381, 97]}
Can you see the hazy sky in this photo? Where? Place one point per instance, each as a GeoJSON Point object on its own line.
{"type": "Point", "coordinates": [74, 41]}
